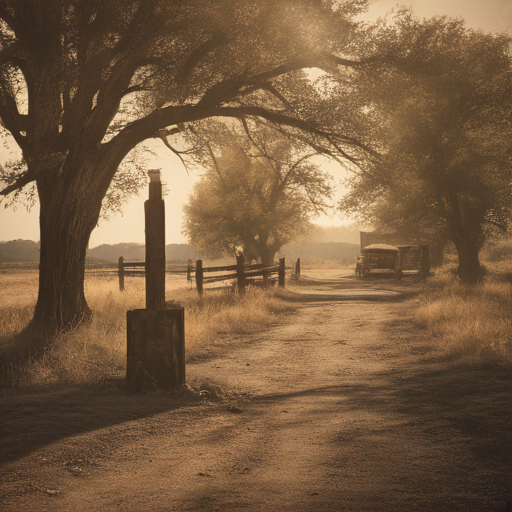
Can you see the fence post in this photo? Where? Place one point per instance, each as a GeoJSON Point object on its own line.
{"type": "Point", "coordinates": [240, 274]}
{"type": "Point", "coordinates": [424, 261]}
{"type": "Point", "coordinates": [155, 244]}
{"type": "Point", "coordinates": [121, 274]}
{"type": "Point", "coordinates": [199, 276]}
{"type": "Point", "coordinates": [281, 274]}
{"type": "Point", "coordinates": [297, 268]}
{"type": "Point", "coordinates": [189, 271]}
{"type": "Point", "coordinates": [265, 279]}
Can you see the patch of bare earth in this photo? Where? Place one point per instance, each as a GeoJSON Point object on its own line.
{"type": "Point", "coordinates": [342, 406]}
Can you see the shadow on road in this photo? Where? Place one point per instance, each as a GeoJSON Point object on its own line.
{"type": "Point", "coordinates": [31, 421]}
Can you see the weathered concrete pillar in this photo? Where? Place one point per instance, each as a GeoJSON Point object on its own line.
{"type": "Point", "coordinates": [155, 335]}
{"type": "Point", "coordinates": [156, 349]}
{"type": "Point", "coordinates": [155, 243]}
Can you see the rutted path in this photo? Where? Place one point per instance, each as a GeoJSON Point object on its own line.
{"type": "Point", "coordinates": [340, 407]}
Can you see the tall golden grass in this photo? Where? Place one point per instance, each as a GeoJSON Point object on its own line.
{"type": "Point", "coordinates": [473, 324]}
{"type": "Point", "coordinates": [97, 351]}
{"type": "Point", "coordinates": [469, 323]}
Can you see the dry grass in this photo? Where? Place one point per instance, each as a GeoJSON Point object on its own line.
{"type": "Point", "coordinates": [97, 351]}
{"type": "Point", "coordinates": [472, 324]}
{"type": "Point", "coordinates": [222, 312]}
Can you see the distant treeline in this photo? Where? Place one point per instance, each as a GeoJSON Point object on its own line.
{"type": "Point", "coordinates": [28, 251]}
{"type": "Point", "coordinates": [136, 252]}
{"type": "Point", "coordinates": [19, 251]}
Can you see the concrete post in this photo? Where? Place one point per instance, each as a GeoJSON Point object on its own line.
{"type": "Point", "coordinates": [155, 349]}
{"type": "Point", "coordinates": [155, 335]}
{"type": "Point", "coordinates": [155, 244]}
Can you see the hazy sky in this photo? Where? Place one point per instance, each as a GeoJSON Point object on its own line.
{"type": "Point", "coordinates": [488, 15]}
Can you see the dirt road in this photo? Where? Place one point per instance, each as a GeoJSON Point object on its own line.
{"type": "Point", "coordinates": [342, 406]}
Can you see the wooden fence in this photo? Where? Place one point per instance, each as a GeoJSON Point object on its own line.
{"type": "Point", "coordinates": [127, 267]}
{"type": "Point", "coordinates": [242, 273]}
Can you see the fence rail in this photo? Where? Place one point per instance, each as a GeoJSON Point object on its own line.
{"type": "Point", "coordinates": [241, 272]}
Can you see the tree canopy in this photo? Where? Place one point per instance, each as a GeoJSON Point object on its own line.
{"type": "Point", "coordinates": [439, 98]}
{"type": "Point", "coordinates": [258, 194]}
{"type": "Point", "coordinates": [84, 81]}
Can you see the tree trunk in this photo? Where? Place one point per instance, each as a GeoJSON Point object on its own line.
{"type": "Point", "coordinates": [265, 251]}
{"type": "Point", "coordinates": [66, 222]}
{"type": "Point", "coordinates": [465, 222]}
{"type": "Point", "coordinates": [267, 257]}
{"type": "Point", "coordinates": [470, 270]}
{"type": "Point", "coordinates": [437, 253]}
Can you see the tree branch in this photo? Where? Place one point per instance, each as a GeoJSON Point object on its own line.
{"type": "Point", "coordinates": [269, 88]}
{"type": "Point", "coordinates": [228, 89]}
{"type": "Point", "coordinates": [283, 119]}
{"type": "Point", "coordinates": [212, 156]}
{"type": "Point", "coordinates": [50, 162]}
{"type": "Point", "coordinates": [129, 49]}
{"type": "Point", "coordinates": [198, 54]}
{"type": "Point", "coordinates": [163, 138]}
{"type": "Point", "coordinates": [134, 88]}
{"type": "Point", "coordinates": [146, 127]}
{"type": "Point", "coordinates": [12, 119]}
{"type": "Point", "coordinates": [251, 138]}
{"type": "Point", "coordinates": [324, 61]}
{"type": "Point", "coordinates": [22, 32]}
{"type": "Point", "coordinates": [23, 180]}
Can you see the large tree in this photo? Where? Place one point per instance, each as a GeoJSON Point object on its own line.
{"type": "Point", "coordinates": [82, 82]}
{"type": "Point", "coordinates": [439, 98]}
{"type": "Point", "coordinates": [258, 193]}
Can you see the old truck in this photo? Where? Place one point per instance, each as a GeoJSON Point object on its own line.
{"type": "Point", "coordinates": [383, 258]}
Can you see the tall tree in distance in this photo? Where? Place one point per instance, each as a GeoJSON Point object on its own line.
{"type": "Point", "coordinates": [258, 193]}
{"type": "Point", "coordinates": [82, 82]}
{"type": "Point", "coordinates": [439, 98]}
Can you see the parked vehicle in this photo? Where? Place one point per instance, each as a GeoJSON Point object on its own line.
{"type": "Point", "coordinates": [378, 258]}
{"type": "Point", "coordinates": [402, 259]}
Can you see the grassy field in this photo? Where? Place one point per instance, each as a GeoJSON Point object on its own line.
{"type": "Point", "coordinates": [470, 324]}
{"type": "Point", "coordinates": [97, 351]}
